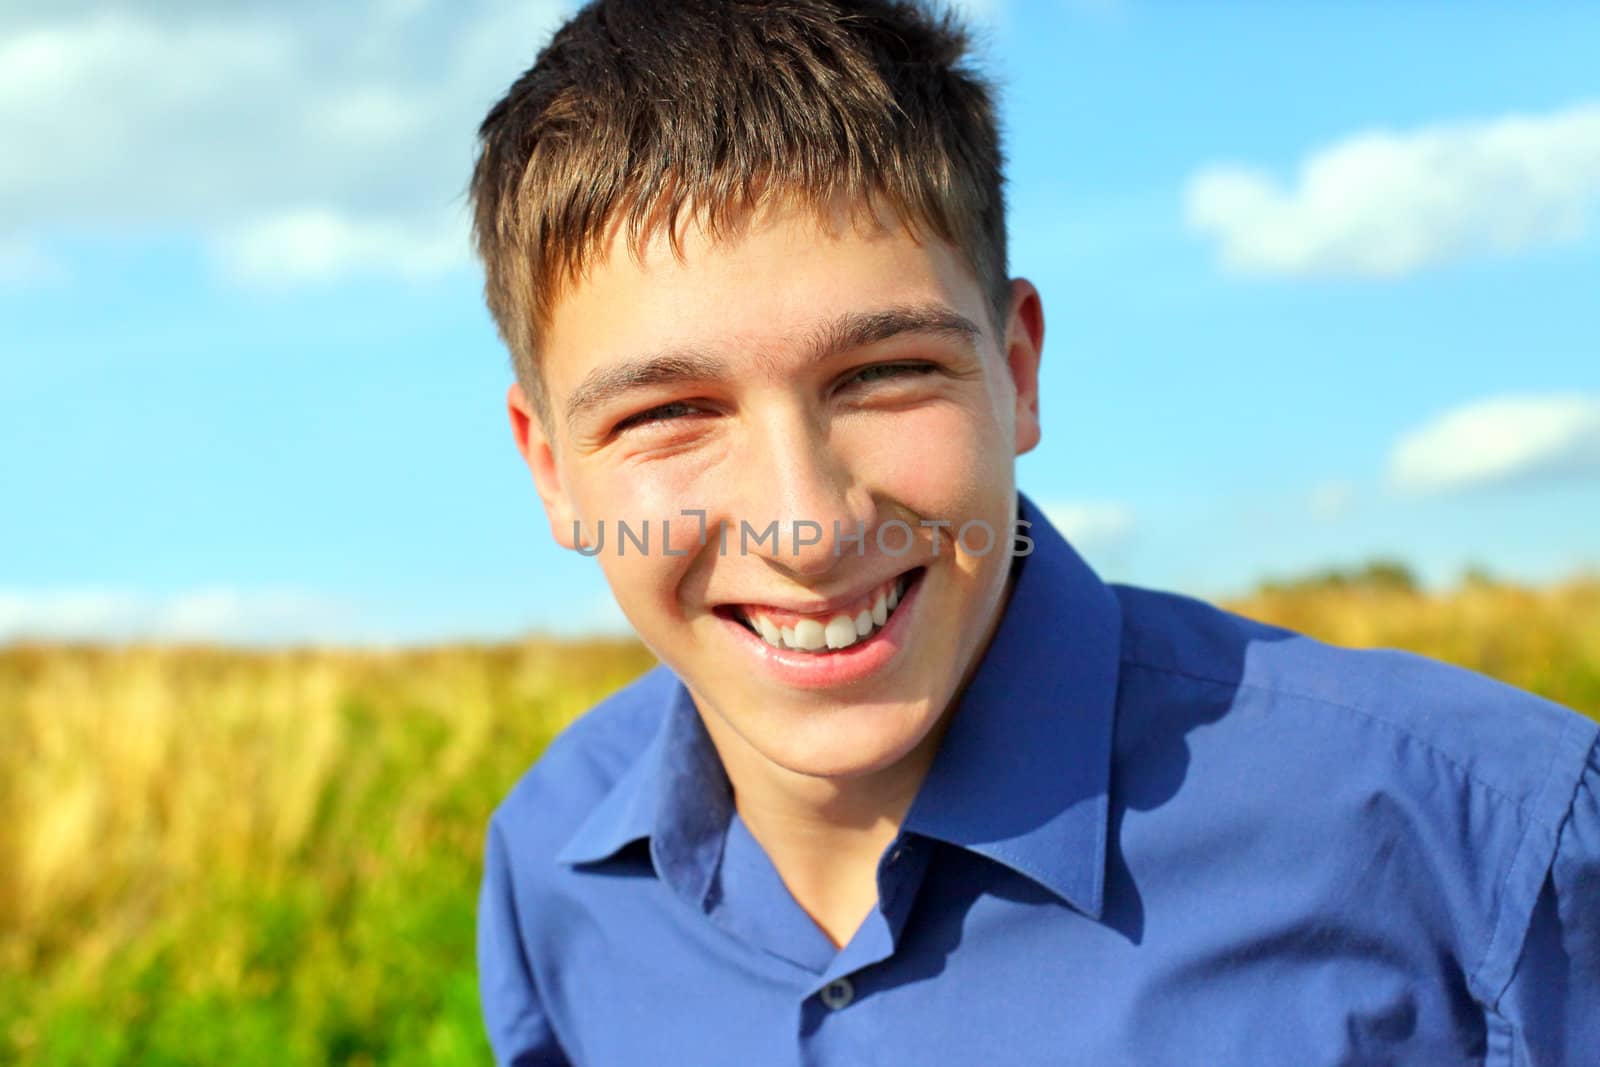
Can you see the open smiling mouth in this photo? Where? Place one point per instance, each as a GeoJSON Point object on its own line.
{"type": "Point", "coordinates": [832, 631]}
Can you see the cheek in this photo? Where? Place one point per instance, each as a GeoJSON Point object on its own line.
{"type": "Point", "coordinates": [650, 499]}
{"type": "Point", "coordinates": [940, 461]}
{"type": "Point", "coordinates": [659, 490]}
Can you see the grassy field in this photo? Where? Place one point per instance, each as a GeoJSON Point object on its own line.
{"type": "Point", "coordinates": [213, 856]}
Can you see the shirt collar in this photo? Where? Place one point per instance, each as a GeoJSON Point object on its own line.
{"type": "Point", "coordinates": [1021, 776]}
{"type": "Point", "coordinates": [675, 793]}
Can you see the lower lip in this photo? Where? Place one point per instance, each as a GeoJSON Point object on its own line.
{"type": "Point", "coordinates": [825, 670]}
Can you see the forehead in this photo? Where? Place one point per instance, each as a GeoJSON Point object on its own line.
{"type": "Point", "coordinates": [762, 289]}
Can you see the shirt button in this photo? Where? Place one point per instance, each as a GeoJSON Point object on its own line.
{"type": "Point", "coordinates": [838, 993]}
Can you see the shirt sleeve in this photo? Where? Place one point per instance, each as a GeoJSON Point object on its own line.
{"type": "Point", "coordinates": [1553, 1000]}
{"type": "Point", "coordinates": [519, 1030]}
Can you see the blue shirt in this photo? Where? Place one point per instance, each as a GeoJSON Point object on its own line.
{"type": "Point", "coordinates": [1155, 833]}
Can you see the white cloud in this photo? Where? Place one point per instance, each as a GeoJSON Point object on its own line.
{"type": "Point", "coordinates": [1332, 501]}
{"type": "Point", "coordinates": [316, 244]}
{"type": "Point", "coordinates": [1098, 7]}
{"type": "Point", "coordinates": [603, 616]}
{"type": "Point", "coordinates": [217, 614]}
{"type": "Point", "coordinates": [1381, 204]}
{"type": "Point", "coordinates": [298, 140]}
{"type": "Point", "coordinates": [25, 263]}
{"type": "Point", "coordinates": [1501, 441]}
{"type": "Point", "coordinates": [993, 11]}
{"type": "Point", "coordinates": [67, 612]}
{"type": "Point", "coordinates": [980, 11]}
{"type": "Point", "coordinates": [1091, 525]}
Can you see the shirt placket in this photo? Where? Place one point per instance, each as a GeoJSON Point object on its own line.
{"type": "Point", "coordinates": [838, 1022]}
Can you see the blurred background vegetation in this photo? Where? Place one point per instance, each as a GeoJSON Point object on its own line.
{"type": "Point", "coordinates": [213, 856]}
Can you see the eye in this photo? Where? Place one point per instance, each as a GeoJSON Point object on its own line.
{"type": "Point", "coordinates": [884, 371]}
{"type": "Point", "coordinates": [677, 409]}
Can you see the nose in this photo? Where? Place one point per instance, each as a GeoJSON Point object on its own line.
{"type": "Point", "coordinates": [824, 512]}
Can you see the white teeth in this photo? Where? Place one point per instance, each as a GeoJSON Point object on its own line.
{"type": "Point", "coordinates": [808, 635]}
{"type": "Point", "coordinates": [840, 632]}
{"type": "Point", "coordinates": [836, 632]}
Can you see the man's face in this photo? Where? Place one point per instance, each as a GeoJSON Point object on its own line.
{"type": "Point", "coordinates": [827, 376]}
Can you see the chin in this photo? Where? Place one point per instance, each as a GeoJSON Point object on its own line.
{"type": "Point", "coordinates": [848, 741]}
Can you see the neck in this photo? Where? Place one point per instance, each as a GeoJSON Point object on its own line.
{"type": "Point", "coordinates": [824, 835]}
{"type": "Point", "coordinates": [828, 812]}
{"type": "Point", "coordinates": [766, 793]}
{"type": "Point", "coordinates": [833, 809]}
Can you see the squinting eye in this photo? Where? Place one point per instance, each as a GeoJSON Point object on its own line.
{"type": "Point", "coordinates": [661, 413]}
{"type": "Point", "coordinates": [880, 371]}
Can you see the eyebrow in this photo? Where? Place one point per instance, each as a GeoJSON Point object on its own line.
{"type": "Point", "coordinates": [851, 330]}
{"type": "Point", "coordinates": [858, 329]}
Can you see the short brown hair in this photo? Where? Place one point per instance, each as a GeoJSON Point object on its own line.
{"type": "Point", "coordinates": [638, 111]}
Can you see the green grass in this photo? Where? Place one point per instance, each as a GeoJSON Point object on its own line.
{"type": "Point", "coordinates": [279, 864]}
{"type": "Point", "coordinates": [213, 856]}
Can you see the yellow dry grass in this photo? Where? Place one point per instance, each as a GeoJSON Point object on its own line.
{"type": "Point", "coordinates": [145, 786]}
{"type": "Point", "coordinates": [1546, 640]}
{"type": "Point", "coordinates": [206, 853]}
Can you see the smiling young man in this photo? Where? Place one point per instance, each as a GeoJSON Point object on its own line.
{"type": "Point", "coordinates": [911, 784]}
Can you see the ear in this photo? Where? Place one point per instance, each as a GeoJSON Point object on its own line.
{"type": "Point", "coordinates": [1024, 345]}
{"type": "Point", "coordinates": [534, 444]}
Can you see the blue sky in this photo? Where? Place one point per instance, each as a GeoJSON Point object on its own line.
{"type": "Point", "coordinates": [1322, 282]}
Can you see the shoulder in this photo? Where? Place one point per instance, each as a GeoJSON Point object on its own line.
{"type": "Point", "coordinates": [1439, 792]}
{"type": "Point", "coordinates": [581, 765]}
{"type": "Point", "coordinates": [1503, 739]}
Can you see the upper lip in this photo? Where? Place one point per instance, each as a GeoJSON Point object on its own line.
{"type": "Point", "coordinates": [819, 607]}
